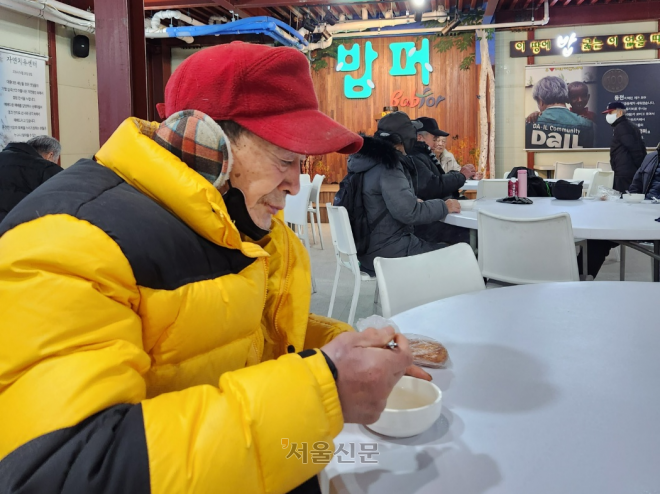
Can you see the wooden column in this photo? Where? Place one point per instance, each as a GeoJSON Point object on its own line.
{"type": "Point", "coordinates": [159, 64]}
{"type": "Point", "coordinates": [121, 63]}
{"type": "Point", "coordinates": [52, 75]}
{"type": "Point", "coordinates": [530, 61]}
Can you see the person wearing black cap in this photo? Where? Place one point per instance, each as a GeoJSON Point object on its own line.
{"type": "Point", "coordinates": [393, 209]}
{"type": "Point", "coordinates": [432, 181]}
{"type": "Point", "coordinates": [627, 150]}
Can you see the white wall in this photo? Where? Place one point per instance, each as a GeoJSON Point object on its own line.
{"type": "Point", "coordinates": [510, 91]}
{"type": "Point", "coordinates": [76, 81]}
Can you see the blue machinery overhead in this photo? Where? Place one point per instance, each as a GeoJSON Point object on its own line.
{"type": "Point", "coordinates": [280, 32]}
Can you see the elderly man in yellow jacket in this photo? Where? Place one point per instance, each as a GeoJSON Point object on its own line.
{"type": "Point", "coordinates": [155, 333]}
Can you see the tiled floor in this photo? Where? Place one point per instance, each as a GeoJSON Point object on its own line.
{"type": "Point", "coordinates": [638, 268]}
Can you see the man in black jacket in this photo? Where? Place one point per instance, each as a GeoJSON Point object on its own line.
{"type": "Point", "coordinates": [627, 150]}
{"type": "Point", "coordinates": [24, 166]}
{"type": "Point", "coordinates": [431, 182]}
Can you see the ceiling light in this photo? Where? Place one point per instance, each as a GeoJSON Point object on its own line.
{"type": "Point", "coordinates": [418, 3]}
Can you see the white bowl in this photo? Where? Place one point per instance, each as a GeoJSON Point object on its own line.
{"type": "Point", "coordinates": [633, 197]}
{"type": "Point", "coordinates": [413, 406]}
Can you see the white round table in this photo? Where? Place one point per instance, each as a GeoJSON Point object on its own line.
{"type": "Point", "coordinates": [591, 219]}
{"type": "Point", "coordinates": [552, 388]}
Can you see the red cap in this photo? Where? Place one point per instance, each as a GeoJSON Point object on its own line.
{"type": "Point", "coordinates": [267, 90]}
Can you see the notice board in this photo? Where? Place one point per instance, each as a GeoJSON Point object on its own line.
{"type": "Point", "coordinates": [23, 104]}
{"type": "Point", "coordinates": [579, 123]}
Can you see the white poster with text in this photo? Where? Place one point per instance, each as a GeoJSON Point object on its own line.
{"type": "Point", "coordinates": [23, 105]}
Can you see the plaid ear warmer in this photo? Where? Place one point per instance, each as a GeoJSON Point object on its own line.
{"type": "Point", "coordinates": [198, 141]}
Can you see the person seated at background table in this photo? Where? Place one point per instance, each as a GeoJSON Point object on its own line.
{"type": "Point", "coordinates": [391, 204]}
{"type": "Point", "coordinates": [578, 97]}
{"type": "Point", "coordinates": [24, 166]}
{"type": "Point", "coordinates": [433, 183]}
{"type": "Point", "coordinates": [647, 179]}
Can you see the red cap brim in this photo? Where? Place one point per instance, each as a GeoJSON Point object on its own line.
{"type": "Point", "coordinates": [306, 132]}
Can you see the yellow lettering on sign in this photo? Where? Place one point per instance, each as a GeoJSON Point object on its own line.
{"type": "Point", "coordinates": [613, 41]}
{"type": "Point", "coordinates": [520, 46]}
{"type": "Point", "coordinates": [655, 38]}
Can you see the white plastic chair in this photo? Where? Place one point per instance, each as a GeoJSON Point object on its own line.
{"type": "Point", "coordinates": [565, 171]}
{"type": "Point", "coordinates": [315, 206]}
{"type": "Point", "coordinates": [506, 175]}
{"type": "Point", "coordinates": [304, 179]}
{"type": "Point", "coordinates": [527, 250]}
{"type": "Point", "coordinates": [584, 174]}
{"type": "Point", "coordinates": [494, 188]}
{"type": "Point", "coordinates": [604, 166]}
{"type": "Point", "coordinates": [346, 256]}
{"type": "Point", "coordinates": [605, 179]}
{"type": "Point", "coordinates": [295, 213]}
{"type": "Point", "coordinates": [407, 282]}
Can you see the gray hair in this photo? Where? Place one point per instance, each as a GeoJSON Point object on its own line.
{"type": "Point", "coordinates": [551, 90]}
{"type": "Point", "coordinates": [45, 145]}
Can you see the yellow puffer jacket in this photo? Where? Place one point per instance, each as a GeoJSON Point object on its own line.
{"type": "Point", "coordinates": [131, 326]}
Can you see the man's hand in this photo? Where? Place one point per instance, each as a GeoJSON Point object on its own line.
{"type": "Point", "coordinates": [367, 372]}
{"type": "Point", "coordinates": [468, 171]}
{"type": "Point", "coordinates": [453, 205]}
{"type": "Point", "coordinates": [533, 117]}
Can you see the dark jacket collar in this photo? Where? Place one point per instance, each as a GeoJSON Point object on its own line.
{"type": "Point", "coordinates": [374, 152]}
{"type": "Point", "coordinates": [619, 120]}
{"type": "Point", "coordinates": [23, 148]}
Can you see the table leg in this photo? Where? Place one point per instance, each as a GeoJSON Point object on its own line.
{"type": "Point", "coordinates": [656, 263]}
{"type": "Point", "coordinates": [473, 239]}
{"type": "Point", "coordinates": [622, 262]}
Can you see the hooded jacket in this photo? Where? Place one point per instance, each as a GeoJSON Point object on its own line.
{"type": "Point", "coordinates": [647, 178]}
{"type": "Point", "coordinates": [388, 187]}
{"type": "Point", "coordinates": [144, 340]}
{"type": "Point", "coordinates": [432, 182]}
{"type": "Point", "coordinates": [627, 152]}
{"type": "Point", "coordinates": [22, 169]}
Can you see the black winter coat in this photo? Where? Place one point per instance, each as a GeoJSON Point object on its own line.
{"type": "Point", "coordinates": [22, 169]}
{"type": "Point", "coordinates": [432, 182]}
{"type": "Point", "coordinates": [626, 152]}
{"type": "Point", "coordinates": [388, 186]}
{"type": "Point", "coordinates": [647, 178]}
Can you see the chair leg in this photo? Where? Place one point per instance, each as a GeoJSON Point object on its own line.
{"type": "Point", "coordinates": [622, 263]}
{"type": "Point", "coordinates": [334, 290]}
{"type": "Point", "coordinates": [354, 300]}
{"type": "Point", "coordinates": [318, 225]}
{"type": "Point", "coordinates": [585, 264]}
{"type": "Point", "coordinates": [311, 222]}
{"type": "Point", "coordinates": [376, 299]}
{"type": "Point", "coordinates": [306, 242]}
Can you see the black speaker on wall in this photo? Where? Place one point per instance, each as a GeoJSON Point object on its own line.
{"type": "Point", "coordinates": [80, 46]}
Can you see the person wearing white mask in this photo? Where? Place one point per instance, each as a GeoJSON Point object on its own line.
{"type": "Point", "coordinates": [627, 150]}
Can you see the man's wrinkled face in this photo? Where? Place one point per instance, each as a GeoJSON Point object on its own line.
{"type": "Point", "coordinates": [265, 173]}
{"type": "Point", "coordinates": [441, 144]}
{"type": "Point", "coordinates": [578, 97]}
{"type": "Point", "coordinates": [428, 139]}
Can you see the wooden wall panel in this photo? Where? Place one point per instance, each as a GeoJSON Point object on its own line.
{"type": "Point", "coordinates": [458, 114]}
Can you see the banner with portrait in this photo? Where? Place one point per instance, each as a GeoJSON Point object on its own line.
{"type": "Point", "coordinates": [564, 103]}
